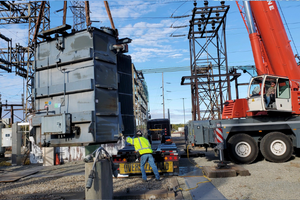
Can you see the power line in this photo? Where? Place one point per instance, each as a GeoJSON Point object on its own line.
{"type": "Point", "coordinates": [288, 29]}
{"type": "Point", "coordinates": [178, 8]}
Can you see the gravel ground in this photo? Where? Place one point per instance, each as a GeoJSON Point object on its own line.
{"type": "Point", "coordinates": [267, 181]}
{"type": "Point", "coordinates": [48, 180]}
{"type": "Point", "coordinates": [136, 184]}
{"type": "Point", "coordinates": [53, 179]}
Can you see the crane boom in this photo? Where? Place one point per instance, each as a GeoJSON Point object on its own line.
{"type": "Point", "coordinates": [275, 39]}
{"type": "Point", "coordinates": [278, 58]}
{"type": "Point", "coordinates": [276, 89]}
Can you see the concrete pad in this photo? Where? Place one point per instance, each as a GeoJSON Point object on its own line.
{"type": "Point", "coordinates": [190, 171]}
{"type": "Point", "coordinates": [14, 176]}
{"type": "Point", "coordinates": [203, 190]}
{"type": "Point", "coordinates": [175, 188]}
{"type": "Point", "coordinates": [232, 171]}
{"type": "Point", "coordinates": [182, 185]}
{"type": "Point", "coordinates": [240, 170]}
{"type": "Point", "coordinates": [102, 185]}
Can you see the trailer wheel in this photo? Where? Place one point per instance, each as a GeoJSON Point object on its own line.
{"type": "Point", "coordinates": [276, 147]}
{"type": "Point", "coordinates": [242, 148]}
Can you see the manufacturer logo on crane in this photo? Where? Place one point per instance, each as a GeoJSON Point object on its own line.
{"type": "Point", "coordinates": [271, 6]}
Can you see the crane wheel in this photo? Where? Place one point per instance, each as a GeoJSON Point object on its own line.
{"type": "Point", "coordinates": [276, 147]}
{"type": "Point", "coordinates": [242, 148]}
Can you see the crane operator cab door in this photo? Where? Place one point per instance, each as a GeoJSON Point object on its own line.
{"type": "Point", "coordinates": [283, 95]}
{"type": "Point", "coordinates": [269, 93]}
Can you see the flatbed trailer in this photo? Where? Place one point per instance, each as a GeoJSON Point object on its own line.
{"type": "Point", "coordinates": [165, 155]}
{"type": "Point", "coordinates": [276, 137]}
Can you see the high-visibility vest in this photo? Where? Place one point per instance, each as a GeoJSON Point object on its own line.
{"type": "Point", "coordinates": [141, 144]}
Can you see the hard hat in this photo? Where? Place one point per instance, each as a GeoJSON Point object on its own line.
{"type": "Point", "coordinates": [139, 132]}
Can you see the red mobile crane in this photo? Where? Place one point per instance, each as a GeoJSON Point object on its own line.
{"type": "Point", "coordinates": [254, 124]}
{"type": "Point", "coordinates": [274, 61]}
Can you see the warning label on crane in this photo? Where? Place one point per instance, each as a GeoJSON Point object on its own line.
{"type": "Point", "coordinates": [218, 135]}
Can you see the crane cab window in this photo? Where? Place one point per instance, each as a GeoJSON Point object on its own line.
{"type": "Point", "coordinates": [283, 89]}
{"type": "Point", "coordinates": [255, 87]}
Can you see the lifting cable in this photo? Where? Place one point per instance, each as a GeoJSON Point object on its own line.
{"type": "Point", "coordinates": [288, 30]}
{"type": "Point", "coordinates": [208, 179]}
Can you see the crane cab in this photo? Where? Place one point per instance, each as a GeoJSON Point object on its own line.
{"type": "Point", "coordinates": [269, 93]}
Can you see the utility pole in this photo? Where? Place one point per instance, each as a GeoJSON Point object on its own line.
{"type": "Point", "coordinates": [163, 95]}
{"type": "Point", "coordinates": [183, 111]}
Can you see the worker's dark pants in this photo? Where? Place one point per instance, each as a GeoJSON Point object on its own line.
{"type": "Point", "coordinates": [268, 98]}
{"type": "Point", "coordinates": [148, 157]}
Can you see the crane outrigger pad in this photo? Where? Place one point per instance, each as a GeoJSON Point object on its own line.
{"type": "Point", "coordinates": [231, 171]}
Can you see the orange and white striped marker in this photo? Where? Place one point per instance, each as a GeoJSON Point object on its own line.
{"type": "Point", "coordinates": [218, 135]}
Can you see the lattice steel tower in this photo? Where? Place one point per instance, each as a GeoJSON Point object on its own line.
{"type": "Point", "coordinates": [20, 59]}
{"type": "Point", "coordinates": [78, 10]}
{"type": "Point", "coordinates": [210, 86]}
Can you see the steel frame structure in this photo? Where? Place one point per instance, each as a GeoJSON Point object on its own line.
{"type": "Point", "coordinates": [37, 15]}
{"type": "Point", "coordinates": [210, 86]}
{"type": "Point", "coordinates": [79, 17]}
{"type": "Point", "coordinates": [140, 100]}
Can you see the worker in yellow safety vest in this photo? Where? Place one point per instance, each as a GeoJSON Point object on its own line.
{"type": "Point", "coordinates": [143, 147]}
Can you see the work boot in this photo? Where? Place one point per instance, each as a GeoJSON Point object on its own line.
{"type": "Point", "coordinates": [160, 179]}
{"type": "Point", "coordinates": [145, 180]}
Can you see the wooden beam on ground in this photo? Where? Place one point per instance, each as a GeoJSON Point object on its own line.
{"type": "Point", "coordinates": [14, 176]}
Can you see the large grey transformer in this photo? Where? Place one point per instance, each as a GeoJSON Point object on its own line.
{"type": "Point", "coordinates": [76, 95]}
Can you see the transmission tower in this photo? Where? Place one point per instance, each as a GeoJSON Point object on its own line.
{"type": "Point", "coordinates": [20, 59]}
{"type": "Point", "coordinates": [78, 10]}
{"type": "Point", "coordinates": [210, 86]}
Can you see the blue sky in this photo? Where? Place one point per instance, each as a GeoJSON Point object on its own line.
{"type": "Point", "coordinates": [149, 25]}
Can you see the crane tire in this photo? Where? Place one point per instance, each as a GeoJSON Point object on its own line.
{"type": "Point", "coordinates": [242, 149]}
{"type": "Point", "coordinates": [276, 147]}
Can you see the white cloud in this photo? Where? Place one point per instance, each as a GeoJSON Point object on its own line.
{"type": "Point", "coordinates": [185, 59]}
{"type": "Point", "coordinates": [11, 87]}
{"type": "Point", "coordinates": [149, 39]}
{"type": "Point", "coordinates": [120, 10]}
{"type": "Point", "coordinates": [145, 54]}
{"type": "Point", "coordinates": [176, 55]}
{"type": "Point", "coordinates": [131, 8]}
{"type": "Point", "coordinates": [16, 33]}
